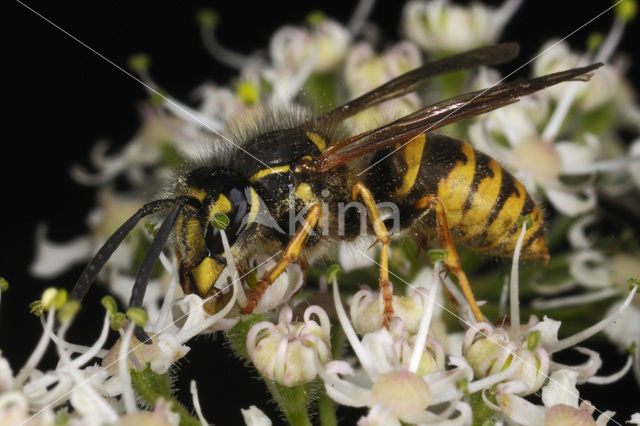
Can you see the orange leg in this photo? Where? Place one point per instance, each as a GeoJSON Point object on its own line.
{"type": "Point", "coordinates": [291, 254]}
{"type": "Point", "coordinates": [452, 262]}
{"type": "Point", "coordinates": [359, 189]}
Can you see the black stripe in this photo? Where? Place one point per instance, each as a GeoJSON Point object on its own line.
{"type": "Point", "coordinates": [539, 233]}
{"type": "Point", "coordinates": [439, 157]}
{"type": "Point", "coordinates": [528, 206]}
{"type": "Point", "coordinates": [507, 187]}
{"type": "Point", "coordinates": [480, 172]}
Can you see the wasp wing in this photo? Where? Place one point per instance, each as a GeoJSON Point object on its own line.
{"type": "Point", "coordinates": [421, 77]}
{"type": "Point", "coordinates": [439, 115]}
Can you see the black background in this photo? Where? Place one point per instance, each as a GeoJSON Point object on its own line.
{"type": "Point", "coordinates": [65, 98]}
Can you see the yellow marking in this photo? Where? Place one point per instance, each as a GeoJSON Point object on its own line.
{"type": "Point", "coordinates": [255, 206]}
{"type": "Point", "coordinates": [507, 217]}
{"type": "Point", "coordinates": [205, 274]}
{"type": "Point", "coordinates": [294, 248]}
{"type": "Point", "coordinates": [307, 158]}
{"type": "Point", "coordinates": [197, 193]}
{"type": "Point", "coordinates": [223, 205]}
{"type": "Point", "coordinates": [267, 172]}
{"type": "Point", "coordinates": [317, 140]}
{"type": "Point", "coordinates": [413, 157]}
{"type": "Point", "coordinates": [194, 236]}
{"type": "Point", "coordinates": [475, 218]}
{"type": "Point", "coordinates": [303, 192]}
{"type": "Point", "coordinates": [454, 189]}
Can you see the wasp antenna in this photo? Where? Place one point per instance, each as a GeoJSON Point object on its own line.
{"type": "Point", "coordinates": [150, 259]}
{"type": "Point", "coordinates": [95, 265]}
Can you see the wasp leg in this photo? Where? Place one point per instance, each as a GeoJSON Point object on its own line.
{"type": "Point", "coordinates": [452, 261]}
{"type": "Point", "coordinates": [359, 189]}
{"type": "Point", "coordinates": [291, 253]}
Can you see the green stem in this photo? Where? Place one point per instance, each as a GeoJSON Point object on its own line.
{"type": "Point", "coordinates": [151, 386]}
{"type": "Point", "coordinates": [326, 410]}
{"type": "Point", "coordinates": [292, 401]}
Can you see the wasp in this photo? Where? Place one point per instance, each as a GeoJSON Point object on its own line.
{"type": "Point", "coordinates": [443, 188]}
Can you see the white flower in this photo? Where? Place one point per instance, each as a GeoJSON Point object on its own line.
{"type": "Point", "coordinates": [536, 159]}
{"type": "Point", "coordinates": [392, 390]}
{"type": "Point", "coordinates": [490, 351]}
{"type": "Point", "coordinates": [635, 419]}
{"type": "Point", "coordinates": [162, 415]}
{"type": "Point", "coordinates": [364, 70]}
{"type": "Point", "coordinates": [14, 410]}
{"type": "Point", "coordinates": [161, 354]}
{"type": "Point", "coordinates": [282, 289]}
{"type": "Point", "coordinates": [324, 44]}
{"type": "Point", "coordinates": [439, 26]}
{"type": "Point", "coordinates": [560, 405]}
{"type": "Point", "coordinates": [289, 352]}
{"type": "Point", "coordinates": [366, 310]}
{"type": "Point", "coordinates": [51, 258]}
{"type": "Point", "coordinates": [253, 416]}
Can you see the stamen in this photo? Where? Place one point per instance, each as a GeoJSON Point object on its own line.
{"type": "Point", "coordinates": [350, 333]}
{"type": "Point", "coordinates": [504, 14]}
{"type": "Point", "coordinates": [340, 390]}
{"type": "Point", "coordinates": [421, 337]}
{"type": "Point", "coordinates": [577, 233]}
{"type": "Point", "coordinates": [514, 306]}
{"type": "Point", "coordinates": [233, 270]}
{"type": "Point", "coordinates": [594, 329]}
{"type": "Point", "coordinates": [599, 166]}
{"type": "Point", "coordinates": [83, 384]}
{"type": "Point", "coordinates": [123, 371]}
{"type": "Point", "coordinates": [612, 378]}
{"type": "Point", "coordinates": [38, 353]}
{"type": "Point", "coordinates": [216, 50]}
{"type": "Point", "coordinates": [560, 113]}
{"type": "Point", "coordinates": [80, 349]}
{"type": "Point", "coordinates": [186, 334]}
{"type": "Point", "coordinates": [504, 295]}
{"type": "Point", "coordinates": [94, 350]}
{"type": "Point", "coordinates": [577, 300]}
{"type": "Point", "coordinates": [549, 290]}
{"type": "Point", "coordinates": [167, 303]}
{"type": "Point", "coordinates": [636, 359]}
{"type": "Point", "coordinates": [493, 379]}
{"type": "Point", "coordinates": [609, 45]}
{"type": "Point", "coordinates": [360, 16]}
{"type": "Point", "coordinates": [196, 402]}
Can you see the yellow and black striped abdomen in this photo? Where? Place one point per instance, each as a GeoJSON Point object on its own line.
{"type": "Point", "coordinates": [483, 201]}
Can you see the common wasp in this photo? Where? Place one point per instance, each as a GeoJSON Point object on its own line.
{"type": "Point", "coordinates": [304, 171]}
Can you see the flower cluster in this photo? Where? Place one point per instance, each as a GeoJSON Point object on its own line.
{"type": "Point", "coordinates": [434, 362]}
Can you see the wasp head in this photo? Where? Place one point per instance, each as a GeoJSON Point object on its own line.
{"type": "Point", "coordinates": [198, 239]}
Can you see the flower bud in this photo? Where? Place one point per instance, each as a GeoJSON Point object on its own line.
{"type": "Point", "coordinates": [366, 315]}
{"type": "Point", "coordinates": [285, 352]}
